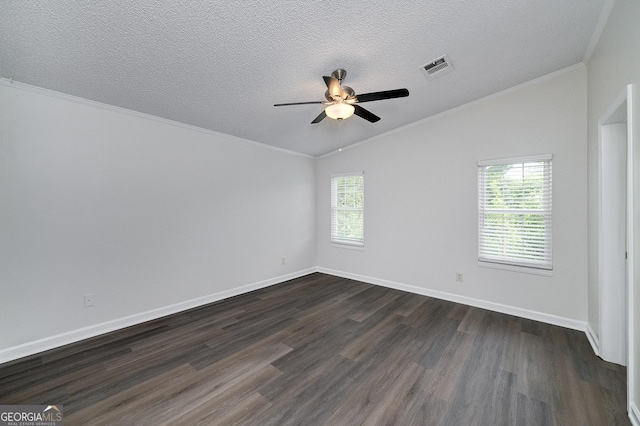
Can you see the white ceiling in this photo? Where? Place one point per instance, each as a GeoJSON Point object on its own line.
{"type": "Point", "coordinates": [221, 65]}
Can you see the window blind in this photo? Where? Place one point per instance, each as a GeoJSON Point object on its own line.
{"type": "Point", "coordinates": [347, 209]}
{"type": "Point", "coordinates": [514, 212]}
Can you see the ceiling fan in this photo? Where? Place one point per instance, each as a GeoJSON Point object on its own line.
{"type": "Point", "coordinates": [342, 102]}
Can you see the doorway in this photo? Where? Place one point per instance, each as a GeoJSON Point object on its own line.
{"type": "Point", "coordinates": [619, 287]}
{"type": "Point", "coordinates": [613, 234]}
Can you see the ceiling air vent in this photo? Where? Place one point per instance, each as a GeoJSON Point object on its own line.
{"type": "Point", "coordinates": [437, 67]}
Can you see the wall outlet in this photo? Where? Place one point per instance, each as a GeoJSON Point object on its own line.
{"type": "Point", "coordinates": [459, 277]}
{"type": "Point", "coordinates": [283, 261]}
{"type": "Point", "coordinates": [88, 300]}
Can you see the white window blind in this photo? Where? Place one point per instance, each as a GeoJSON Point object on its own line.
{"type": "Point", "coordinates": [514, 212]}
{"type": "Point", "coordinates": [347, 209]}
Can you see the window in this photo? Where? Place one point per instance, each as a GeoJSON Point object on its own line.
{"type": "Point", "coordinates": [347, 209]}
{"type": "Point", "coordinates": [514, 212]}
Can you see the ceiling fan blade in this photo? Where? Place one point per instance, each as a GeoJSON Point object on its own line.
{"type": "Point", "coordinates": [333, 84]}
{"type": "Point", "coordinates": [319, 118]}
{"type": "Point", "coordinates": [369, 116]}
{"type": "Point", "coordinates": [387, 94]}
{"type": "Point", "coordinates": [300, 103]}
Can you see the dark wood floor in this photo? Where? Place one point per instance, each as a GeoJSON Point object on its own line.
{"type": "Point", "coordinates": [326, 350]}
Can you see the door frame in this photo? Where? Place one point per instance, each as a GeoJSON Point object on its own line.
{"type": "Point", "coordinates": [621, 110]}
{"type": "Point", "coordinates": [613, 221]}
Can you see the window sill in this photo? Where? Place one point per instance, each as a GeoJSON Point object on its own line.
{"type": "Point", "coordinates": [348, 246]}
{"type": "Point", "coordinates": [513, 268]}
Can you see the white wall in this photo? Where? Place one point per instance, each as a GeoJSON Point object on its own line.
{"type": "Point", "coordinates": [421, 200]}
{"type": "Point", "coordinates": [141, 212]}
{"type": "Point", "coordinates": [614, 64]}
{"type": "Point", "coordinates": [146, 214]}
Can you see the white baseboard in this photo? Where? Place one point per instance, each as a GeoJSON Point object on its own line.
{"type": "Point", "coordinates": [73, 336]}
{"type": "Point", "coordinates": [634, 414]}
{"type": "Point", "coordinates": [593, 339]}
{"type": "Point", "coordinates": [496, 307]}
{"type": "Point", "coordinates": [41, 345]}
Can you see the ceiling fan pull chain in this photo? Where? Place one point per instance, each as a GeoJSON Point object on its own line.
{"type": "Point", "coordinates": [339, 140]}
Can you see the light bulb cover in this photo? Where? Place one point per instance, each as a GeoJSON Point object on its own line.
{"type": "Point", "coordinates": [339, 111]}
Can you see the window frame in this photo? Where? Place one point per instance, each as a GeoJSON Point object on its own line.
{"type": "Point", "coordinates": [515, 263]}
{"type": "Point", "coordinates": [336, 241]}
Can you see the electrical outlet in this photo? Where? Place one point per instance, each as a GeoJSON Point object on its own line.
{"type": "Point", "coordinates": [88, 300]}
{"type": "Point", "coordinates": [283, 261]}
{"type": "Point", "coordinates": [459, 276]}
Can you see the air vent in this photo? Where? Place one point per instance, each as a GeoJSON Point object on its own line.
{"type": "Point", "coordinates": [437, 67]}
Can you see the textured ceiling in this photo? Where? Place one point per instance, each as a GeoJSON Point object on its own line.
{"type": "Point", "coordinates": [222, 65]}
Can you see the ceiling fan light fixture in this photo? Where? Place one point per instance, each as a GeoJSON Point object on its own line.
{"type": "Point", "coordinates": [340, 100]}
{"type": "Point", "coordinates": [339, 111]}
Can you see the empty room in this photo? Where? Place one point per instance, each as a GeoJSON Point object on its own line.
{"type": "Point", "coordinates": [345, 213]}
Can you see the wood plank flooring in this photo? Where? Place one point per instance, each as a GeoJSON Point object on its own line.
{"type": "Point", "coordinates": [325, 350]}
